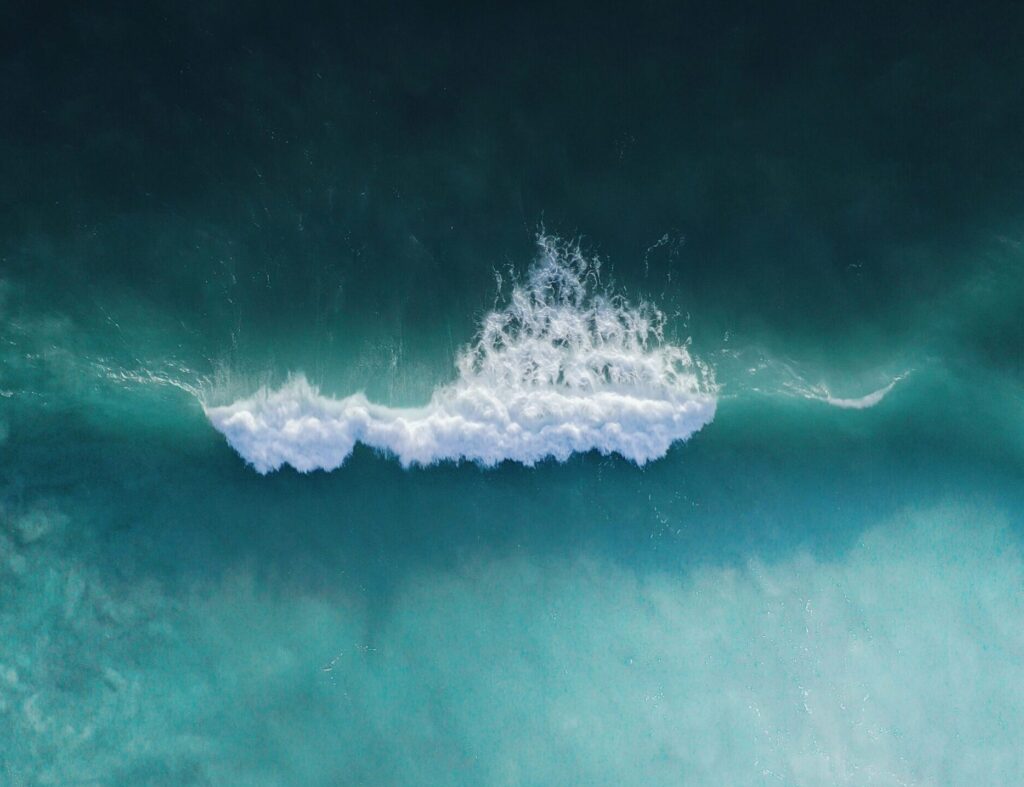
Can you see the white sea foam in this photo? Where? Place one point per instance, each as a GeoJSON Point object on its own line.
{"type": "Point", "coordinates": [822, 393]}
{"type": "Point", "coordinates": [860, 403]}
{"type": "Point", "coordinates": [754, 370]}
{"type": "Point", "coordinates": [563, 367]}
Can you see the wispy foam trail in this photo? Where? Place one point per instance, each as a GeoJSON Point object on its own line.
{"type": "Point", "coordinates": [863, 402]}
{"type": "Point", "coordinates": [753, 370]}
{"type": "Point", "coordinates": [564, 367]}
{"type": "Point", "coordinates": [821, 393]}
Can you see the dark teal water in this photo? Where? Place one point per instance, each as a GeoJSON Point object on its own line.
{"type": "Point", "coordinates": [819, 583]}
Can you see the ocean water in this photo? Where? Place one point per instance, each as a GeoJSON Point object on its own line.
{"type": "Point", "coordinates": [547, 395]}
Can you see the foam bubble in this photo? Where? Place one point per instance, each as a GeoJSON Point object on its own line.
{"type": "Point", "coordinates": [564, 367]}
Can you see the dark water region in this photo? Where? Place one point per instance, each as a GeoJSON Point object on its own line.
{"type": "Point", "coordinates": [822, 585]}
{"type": "Point", "coordinates": [310, 173]}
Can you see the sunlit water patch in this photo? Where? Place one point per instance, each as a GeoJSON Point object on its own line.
{"type": "Point", "coordinates": [900, 662]}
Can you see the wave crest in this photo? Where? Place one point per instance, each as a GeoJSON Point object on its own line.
{"type": "Point", "coordinates": [565, 366]}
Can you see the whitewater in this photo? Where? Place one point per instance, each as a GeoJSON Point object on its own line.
{"type": "Point", "coordinates": [565, 366]}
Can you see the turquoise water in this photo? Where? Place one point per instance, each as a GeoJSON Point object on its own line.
{"type": "Point", "coordinates": [542, 397]}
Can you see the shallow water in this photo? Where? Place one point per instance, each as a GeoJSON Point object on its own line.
{"type": "Point", "coordinates": [527, 398]}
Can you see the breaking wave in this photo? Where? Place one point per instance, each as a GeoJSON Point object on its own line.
{"type": "Point", "coordinates": [565, 366]}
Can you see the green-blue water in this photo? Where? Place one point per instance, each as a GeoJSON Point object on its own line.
{"type": "Point", "coordinates": [820, 582]}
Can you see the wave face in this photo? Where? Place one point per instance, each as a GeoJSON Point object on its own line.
{"type": "Point", "coordinates": [564, 367]}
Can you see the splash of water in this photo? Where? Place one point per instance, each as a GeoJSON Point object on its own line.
{"type": "Point", "coordinates": [565, 366]}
